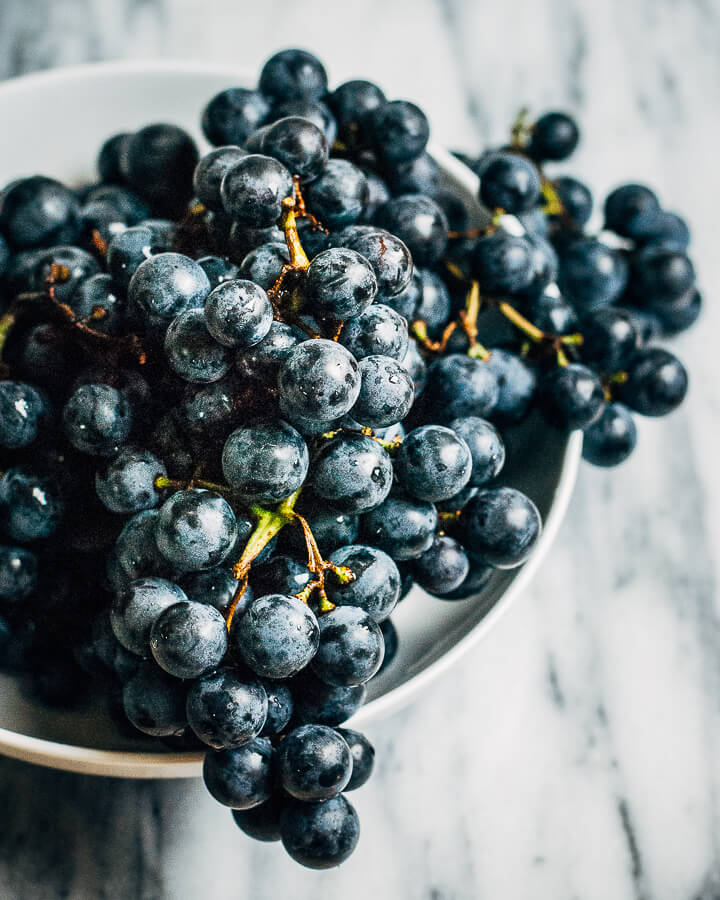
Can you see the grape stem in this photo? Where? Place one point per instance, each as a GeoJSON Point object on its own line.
{"type": "Point", "coordinates": [390, 446]}
{"type": "Point", "coordinates": [467, 321]}
{"type": "Point", "coordinates": [162, 482]}
{"type": "Point", "coordinates": [521, 129]}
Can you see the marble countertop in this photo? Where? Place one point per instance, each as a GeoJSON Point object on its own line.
{"type": "Point", "coordinates": [574, 754]}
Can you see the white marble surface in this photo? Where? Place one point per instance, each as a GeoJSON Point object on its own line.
{"type": "Point", "coordinates": [575, 754]}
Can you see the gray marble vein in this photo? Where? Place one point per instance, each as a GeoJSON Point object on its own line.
{"type": "Point", "coordinates": [575, 754]}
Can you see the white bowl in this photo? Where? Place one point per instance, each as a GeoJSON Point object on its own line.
{"type": "Point", "coordinates": [55, 123]}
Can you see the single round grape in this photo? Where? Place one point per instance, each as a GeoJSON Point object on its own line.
{"type": "Point", "coordinates": [31, 506]}
{"type": "Point", "coordinates": [299, 145]}
{"type": "Point", "coordinates": [98, 293]}
{"type": "Point", "coordinates": [340, 283]}
{"type": "Point", "coordinates": [232, 116]}
{"type": "Point", "coordinates": [609, 339]}
{"type": "Point", "coordinates": [378, 331]}
{"type": "Point", "coordinates": [460, 386]}
{"type": "Point", "coordinates": [353, 473]}
{"type": "Point", "coordinates": [338, 197]}
{"type": "Point", "coordinates": [631, 210]}
{"type": "Point", "coordinates": [166, 285]}
{"type": "Point", "coordinates": [612, 438]}
{"type": "Point", "coordinates": [554, 137]}
{"type": "Point", "coordinates": [238, 313]}
{"type": "Point", "coordinates": [262, 823]}
{"type": "Point", "coordinates": [314, 763]}
{"type": "Point", "coordinates": [545, 265]}
{"type": "Point", "coordinates": [660, 276]}
{"type": "Point", "coordinates": [319, 380]}
{"type": "Point", "coordinates": [416, 367]}
{"type": "Point", "coordinates": [400, 131]}
{"type": "Point", "coordinates": [164, 232]}
{"type": "Point", "coordinates": [353, 102]}
{"type": "Point", "coordinates": [317, 702]}
{"type": "Point", "coordinates": [486, 446]}
{"type": "Point", "coordinates": [402, 528]}
{"type": "Point", "coordinates": [18, 574]}
{"type": "Point", "coordinates": [240, 777]}
{"type": "Point", "coordinates": [502, 263]}
{"type": "Point", "coordinates": [24, 414]}
{"type": "Point", "coordinates": [682, 313]}
{"type": "Point", "coordinates": [264, 264]}
{"type": "Point", "coordinates": [161, 160]}
{"type": "Point", "coordinates": [136, 609]}
{"type": "Point", "coordinates": [475, 582]}
{"type": "Point", "coordinates": [511, 183]}
{"type": "Point", "coordinates": [443, 567]}
{"type": "Point", "coordinates": [571, 396]}
{"type": "Point", "coordinates": [420, 223]}
{"type": "Point", "coordinates": [97, 419]}
{"type": "Point", "coordinates": [376, 586]}
{"type": "Point", "coordinates": [386, 392]}
{"type": "Point", "coordinates": [189, 640]}
{"type": "Point", "coordinates": [39, 212]}
{"type": "Point", "coordinates": [363, 757]}
{"type": "Point", "coordinates": [277, 636]}
{"type": "Point", "coordinates": [126, 251]}
{"type": "Point", "coordinates": [293, 75]}
{"type": "Point", "coordinates": [516, 382]}
{"type": "Point", "coordinates": [192, 352]}
{"type": "Point", "coordinates": [501, 526]}
{"type": "Point", "coordinates": [265, 463]}
{"type": "Point", "coordinates": [387, 254]}
{"type": "Point", "coordinates": [419, 176]}
{"type": "Point", "coordinates": [210, 172]}
{"type": "Point", "coordinates": [154, 702]}
{"type": "Point", "coordinates": [351, 647]}
{"type": "Point", "coordinates": [320, 835]}
{"type": "Point", "coordinates": [575, 197]}
{"type": "Point", "coordinates": [195, 529]}
{"type": "Point", "coordinates": [433, 463]}
{"type": "Point", "coordinates": [591, 274]}
{"type": "Point", "coordinates": [225, 710]}
{"type": "Point", "coordinates": [668, 230]}
{"type": "Point", "coordinates": [112, 158]}
{"type": "Point", "coordinates": [657, 383]}
{"type": "Point", "coordinates": [252, 191]}
{"type": "Point", "coordinates": [127, 483]}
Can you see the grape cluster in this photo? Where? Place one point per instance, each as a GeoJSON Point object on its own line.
{"type": "Point", "coordinates": [245, 408]}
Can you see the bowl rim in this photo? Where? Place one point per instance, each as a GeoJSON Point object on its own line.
{"type": "Point", "coordinates": [145, 765]}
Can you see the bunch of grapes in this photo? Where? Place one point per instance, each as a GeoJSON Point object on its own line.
{"type": "Point", "coordinates": [250, 398]}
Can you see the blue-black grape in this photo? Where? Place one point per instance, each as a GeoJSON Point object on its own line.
{"type": "Point", "coordinates": [226, 710]}
{"type": "Point", "coordinates": [402, 528]}
{"type": "Point", "coordinates": [659, 276]}
{"type": "Point", "coordinates": [433, 463]}
{"type": "Point", "coordinates": [299, 145]}
{"type": "Point", "coordinates": [161, 160]}
{"type": "Point", "coordinates": [264, 264]}
{"type": "Point", "coordinates": [400, 131]}
{"type": "Point", "coordinates": [322, 834]}
{"type": "Point", "coordinates": [262, 823]}
{"type": "Point", "coordinates": [353, 473]}
{"type": "Point", "coordinates": [609, 339]}
{"type": "Point", "coordinates": [189, 640]}
{"type": "Point", "coordinates": [443, 567]}
{"type": "Point", "coordinates": [339, 195]}
{"type": "Point", "coordinates": [314, 111]}
{"type": "Point", "coordinates": [166, 285]}
{"type": "Point", "coordinates": [511, 183]}
{"type": "Point", "coordinates": [575, 197]}
{"type": "Point", "coordinates": [656, 384]}
{"type": "Point", "coordinates": [215, 586]}
{"type": "Point", "coordinates": [314, 763]}
{"type": "Point", "coordinates": [127, 482]}
{"type": "Point", "coordinates": [238, 313]}
{"type": "Point", "coordinates": [232, 116]}
{"type": "Point", "coordinates": [363, 757]}
{"type": "Point", "coordinates": [501, 526]}
{"type": "Point", "coordinates": [24, 414]}
{"type": "Point", "coordinates": [154, 702]}
{"type": "Point", "coordinates": [612, 438]}
{"type": "Point", "coordinates": [376, 585]}
{"type": "Point", "coordinates": [277, 636]}
{"type": "Point", "coordinates": [266, 462]}
{"type": "Point", "coordinates": [316, 701]}
{"type": "Point", "coordinates": [486, 446]}
{"type": "Point", "coordinates": [351, 647]}
{"type": "Point", "coordinates": [252, 190]}
{"type": "Point", "coordinates": [319, 380]}
{"type": "Point", "coordinates": [218, 269]}
{"type": "Point", "coordinates": [352, 102]}
{"type": "Point", "coordinates": [340, 283]}
{"type": "Point", "coordinates": [98, 294]}
{"type": "Point", "coordinates": [240, 777]}
{"type": "Point", "coordinates": [112, 158]}
{"type": "Point", "coordinates": [386, 253]}
{"type": "Point", "coordinates": [195, 529]}
{"type": "Point", "coordinates": [386, 392]}
{"type": "Point", "coordinates": [419, 222]}
{"type": "Point", "coordinates": [210, 172]}
{"type": "Point", "coordinates": [263, 360]}
{"type": "Point", "coordinates": [293, 75]}
{"type": "Point", "coordinates": [39, 212]}
{"type": "Point", "coordinates": [592, 274]}
{"type": "Point", "coordinates": [97, 419]}
{"type": "Point", "coordinates": [516, 382]}
{"type": "Point", "coordinates": [571, 396]}
{"type": "Point", "coordinates": [502, 263]}
{"type": "Point", "coordinates": [630, 210]}
{"type": "Point", "coordinates": [31, 506]}
{"type": "Point", "coordinates": [18, 574]}
{"type": "Point", "coordinates": [554, 137]}
{"type": "Point", "coordinates": [458, 385]}
{"type": "Point", "coordinates": [192, 352]}
{"type": "Point", "coordinates": [126, 251]}
{"type": "Point", "coordinates": [378, 331]}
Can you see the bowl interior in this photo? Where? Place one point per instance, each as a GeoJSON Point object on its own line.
{"type": "Point", "coordinates": [73, 111]}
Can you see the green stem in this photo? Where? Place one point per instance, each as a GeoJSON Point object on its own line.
{"type": "Point", "coordinates": [6, 325]}
{"type": "Point", "coordinates": [525, 325]}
